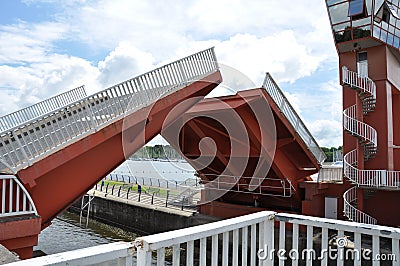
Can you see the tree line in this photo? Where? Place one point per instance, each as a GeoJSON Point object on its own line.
{"type": "Point", "coordinates": [168, 152]}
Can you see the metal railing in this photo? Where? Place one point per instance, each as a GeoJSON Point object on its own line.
{"type": "Point", "coordinates": [354, 214]}
{"type": "Point", "coordinates": [250, 185]}
{"type": "Point", "coordinates": [330, 174]}
{"type": "Point", "coordinates": [31, 112]}
{"type": "Point", "coordinates": [182, 198]}
{"type": "Point", "coordinates": [368, 138]}
{"type": "Point", "coordinates": [355, 81]}
{"type": "Point", "coordinates": [248, 240]}
{"type": "Point", "coordinates": [365, 132]}
{"type": "Point", "coordinates": [369, 178]}
{"type": "Point", "coordinates": [14, 199]}
{"type": "Point", "coordinates": [119, 253]}
{"type": "Point", "coordinates": [288, 111]}
{"type": "Point", "coordinates": [27, 143]}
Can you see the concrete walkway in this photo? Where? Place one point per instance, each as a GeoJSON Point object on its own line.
{"type": "Point", "coordinates": [6, 256]}
{"type": "Point", "coordinates": [145, 199]}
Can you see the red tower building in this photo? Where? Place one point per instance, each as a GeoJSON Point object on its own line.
{"type": "Point", "coordinates": [367, 38]}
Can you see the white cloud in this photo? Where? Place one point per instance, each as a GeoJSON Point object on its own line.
{"type": "Point", "coordinates": [26, 43]}
{"type": "Point", "coordinates": [125, 62]}
{"type": "Point", "coordinates": [281, 37]}
{"type": "Point", "coordinates": [328, 133]}
{"type": "Point", "coordinates": [42, 80]}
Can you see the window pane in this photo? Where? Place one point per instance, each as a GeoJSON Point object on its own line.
{"type": "Point", "coordinates": [361, 22]}
{"type": "Point", "coordinates": [338, 13]}
{"type": "Point", "coordinates": [377, 32]}
{"type": "Point", "coordinates": [393, 11]}
{"type": "Point", "coordinates": [363, 56]}
{"type": "Point", "coordinates": [396, 42]}
{"type": "Point", "coordinates": [332, 2]}
{"type": "Point", "coordinates": [356, 7]}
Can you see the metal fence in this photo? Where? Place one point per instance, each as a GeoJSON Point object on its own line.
{"type": "Point", "coordinates": [27, 143]}
{"type": "Point", "coordinates": [31, 112]}
{"type": "Point", "coordinates": [263, 238]}
{"type": "Point", "coordinates": [14, 199]}
{"type": "Point", "coordinates": [288, 111]}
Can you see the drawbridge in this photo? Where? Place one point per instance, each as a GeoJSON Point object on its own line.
{"type": "Point", "coordinates": [53, 152]}
{"type": "Point", "coordinates": [251, 149]}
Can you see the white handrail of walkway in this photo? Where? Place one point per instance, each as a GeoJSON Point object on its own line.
{"type": "Point", "coordinates": [291, 115]}
{"type": "Point", "coordinates": [24, 144]}
{"type": "Point", "coordinates": [187, 237]}
{"type": "Point", "coordinates": [14, 198]}
{"type": "Point", "coordinates": [118, 253]}
{"type": "Point", "coordinates": [263, 238]}
{"type": "Point", "coordinates": [31, 112]}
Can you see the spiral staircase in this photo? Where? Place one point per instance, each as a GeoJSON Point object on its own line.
{"type": "Point", "coordinates": [367, 137]}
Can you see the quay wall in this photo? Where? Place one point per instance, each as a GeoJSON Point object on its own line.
{"type": "Point", "coordinates": [139, 217]}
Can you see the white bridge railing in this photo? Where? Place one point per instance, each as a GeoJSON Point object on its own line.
{"type": "Point", "coordinates": [14, 199]}
{"type": "Point", "coordinates": [263, 238]}
{"type": "Point", "coordinates": [39, 137]}
{"type": "Point", "coordinates": [288, 111]}
{"type": "Point", "coordinates": [24, 115]}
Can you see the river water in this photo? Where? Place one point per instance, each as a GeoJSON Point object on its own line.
{"type": "Point", "coordinates": [65, 234]}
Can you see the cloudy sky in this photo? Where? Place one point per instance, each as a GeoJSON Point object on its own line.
{"type": "Point", "coordinates": [49, 46]}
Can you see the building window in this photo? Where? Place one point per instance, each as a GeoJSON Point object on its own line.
{"type": "Point", "coordinates": [362, 64]}
{"type": "Point", "coordinates": [357, 9]}
{"type": "Point", "coordinates": [384, 13]}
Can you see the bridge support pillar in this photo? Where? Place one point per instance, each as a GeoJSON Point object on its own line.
{"type": "Point", "coordinates": [20, 234]}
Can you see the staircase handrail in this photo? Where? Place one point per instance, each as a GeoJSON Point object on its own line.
{"type": "Point", "coordinates": [356, 127]}
{"type": "Point", "coordinates": [353, 213]}
{"type": "Point", "coordinates": [369, 178]}
{"type": "Point", "coordinates": [353, 79]}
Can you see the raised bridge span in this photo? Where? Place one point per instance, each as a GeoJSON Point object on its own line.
{"type": "Point", "coordinates": [53, 152]}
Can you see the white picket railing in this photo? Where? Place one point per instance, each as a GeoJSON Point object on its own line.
{"type": "Point", "coordinates": [263, 238]}
{"type": "Point", "coordinates": [14, 199]}
{"type": "Point", "coordinates": [37, 110]}
{"type": "Point", "coordinates": [37, 138]}
{"type": "Point", "coordinates": [119, 253]}
{"type": "Point", "coordinates": [354, 214]}
{"type": "Point", "coordinates": [330, 174]}
{"type": "Point", "coordinates": [291, 115]}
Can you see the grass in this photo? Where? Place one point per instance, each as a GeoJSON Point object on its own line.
{"type": "Point", "coordinates": [150, 190]}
